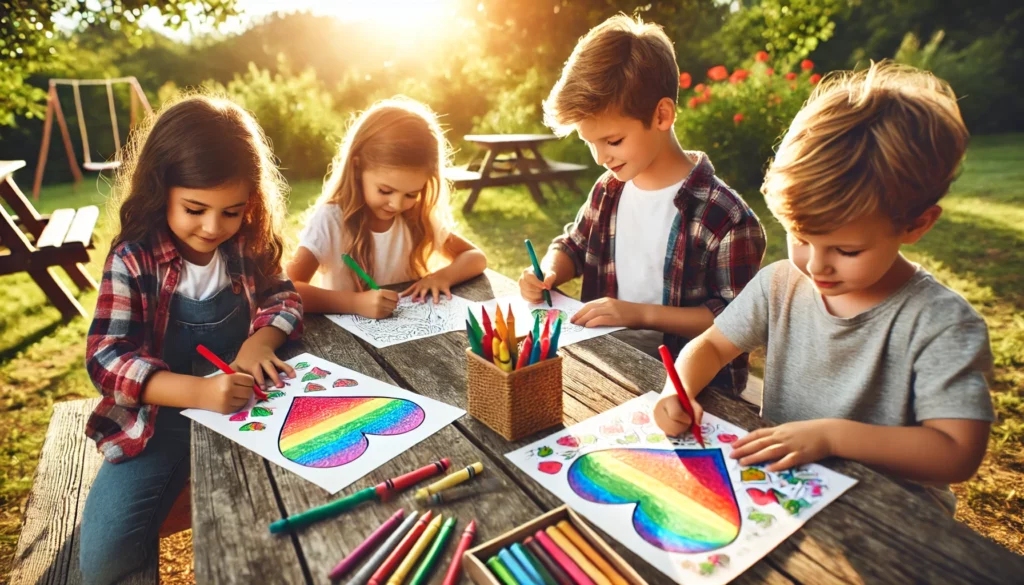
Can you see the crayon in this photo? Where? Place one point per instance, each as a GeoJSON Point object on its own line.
{"type": "Point", "coordinates": [455, 568]}
{"type": "Point", "coordinates": [488, 346]}
{"type": "Point", "coordinates": [323, 512]}
{"type": "Point", "coordinates": [577, 556]}
{"type": "Point", "coordinates": [416, 552]}
{"type": "Point", "coordinates": [524, 353]}
{"type": "Point", "coordinates": [499, 570]}
{"type": "Point", "coordinates": [563, 560]}
{"type": "Point", "coordinates": [476, 325]}
{"type": "Point", "coordinates": [223, 367]}
{"type": "Point", "coordinates": [542, 571]}
{"type": "Point", "coordinates": [474, 343]}
{"type": "Point", "coordinates": [518, 571]}
{"type": "Point", "coordinates": [555, 334]}
{"type": "Point", "coordinates": [546, 560]}
{"type": "Point", "coordinates": [505, 358]}
{"type": "Point", "coordinates": [359, 271]}
{"type": "Point", "coordinates": [363, 575]}
{"type": "Point", "coordinates": [537, 271]}
{"type": "Point", "coordinates": [512, 340]}
{"type": "Point", "coordinates": [684, 399]}
{"type": "Point", "coordinates": [367, 545]}
{"type": "Point", "coordinates": [487, 322]}
{"type": "Point", "coordinates": [496, 350]}
{"type": "Point", "coordinates": [535, 352]}
{"type": "Point", "coordinates": [595, 557]}
{"type": "Point", "coordinates": [450, 480]}
{"type": "Point", "coordinates": [389, 487]}
{"type": "Point", "coordinates": [396, 556]}
{"type": "Point", "coordinates": [499, 324]}
{"type": "Point", "coordinates": [522, 556]}
{"type": "Point", "coordinates": [432, 556]}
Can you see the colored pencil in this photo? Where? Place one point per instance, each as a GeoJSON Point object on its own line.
{"type": "Point", "coordinates": [389, 487]}
{"type": "Point", "coordinates": [577, 556]}
{"type": "Point", "coordinates": [474, 343]}
{"type": "Point", "coordinates": [450, 480]}
{"type": "Point", "coordinates": [524, 353]}
{"type": "Point", "coordinates": [430, 559]}
{"type": "Point", "coordinates": [416, 552]}
{"type": "Point", "coordinates": [555, 334]}
{"type": "Point", "coordinates": [223, 367]}
{"type": "Point", "coordinates": [545, 559]}
{"type": "Point", "coordinates": [536, 328]}
{"type": "Point", "coordinates": [455, 568]}
{"type": "Point", "coordinates": [538, 271]}
{"type": "Point", "coordinates": [522, 556]}
{"type": "Point", "coordinates": [563, 560]}
{"type": "Point", "coordinates": [364, 573]}
{"type": "Point", "coordinates": [499, 324]}
{"type": "Point", "coordinates": [359, 271]}
{"type": "Point", "coordinates": [538, 566]}
{"type": "Point", "coordinates": [323, 512]}
{"type": "Point", "coordinates": [396, 556]}
{"type": "Point", "coordinates": [519, 572]}
{"type": "Point", "coordinates": [513, 342]}
{"type": "Point", "coordinates": [535, 352]}
{"type": "Point", "coordinates": [595, 557]}
{"type": "Point", "coordinates": [476, 325]}
{"type": "Point", "coordinates": [487, 322]}
{"type": "Point", "coordinates": [501, 572]}
{"type": "Point", "coordinates": [488, 346]}
{"type": "Point", "coordinates": [684, 399]}
{"type": "Point", "coordinates": [367, 545]}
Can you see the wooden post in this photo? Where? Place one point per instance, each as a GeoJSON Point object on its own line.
{"type": "Point", "coordinates": [72, 159]}
{"type": "Point", "coordinates": [44, 148]}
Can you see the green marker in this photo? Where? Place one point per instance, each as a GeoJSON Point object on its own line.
{"type": "Point", "coordinates": [428, 562]}
{"type": "Point", "coordinates": [323, 512]}
{"type": "Point", "coordinates": [494, 563]}
{"type": "Point", "coordinates": [359, 271]}
{"type": "Point", "coordinates": [538, 271]}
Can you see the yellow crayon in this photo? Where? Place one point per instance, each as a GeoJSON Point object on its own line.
{"type": "Point", "coordinates": [415, 552]}
{"type": "Point", "coordinates": [595, 557]}
{"type": "Point", "coordinates": [496, 350]}
{"type": "Point", "coordinates": [578, 557]}
{"type": "Point", "coordinates": [451, 480]}
{"type": "Point", "coordinates": [505, 363]}
{"type": "Point", "coordinates": [499, 324]}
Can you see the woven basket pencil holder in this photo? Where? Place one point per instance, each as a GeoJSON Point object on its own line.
{"type": "Point", "coordinates": [518, 403]}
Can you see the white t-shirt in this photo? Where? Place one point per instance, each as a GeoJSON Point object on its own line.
{"type": "Point", "coordinates": [202, 282]}
{"type": "Point", "coordinates": [322, 236]}
{"type": "Point", "coordinates": [643, 222]}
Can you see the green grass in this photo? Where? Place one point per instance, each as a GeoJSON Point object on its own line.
{"type": "Point", "coordinates": [977, 248]}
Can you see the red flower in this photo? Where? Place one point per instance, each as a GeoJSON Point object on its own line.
{"type": "Point", "coordinates": [699, 88]}
{"type": "Point", "coordinates": [807, 64]}
{"type": "Point", "coordinates": [815, 78]}
{"type": "Point", "coordinates": [692, 103]}
{"type": "Point", "coordinates": [718, 73]}
{"type": "Point", "coordinates": [770, 71]}
{"type": "Point", "coordinates": [685, 80]}
{"type": "Point", "coordinates": [790, 76]}
{"type": "Point", "coordinates": [761, 56]}
{"type": "Point", "coordinates": [737, 118]}
{"type": "Point", "coordinates": [738, 75]}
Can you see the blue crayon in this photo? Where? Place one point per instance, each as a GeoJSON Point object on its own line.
{"type": "Point", "coordinates": [515, 568]}
{"type": "Point", "coordinates": [520, 554]}
{"type": "Point", "coordinates": [535, 353]}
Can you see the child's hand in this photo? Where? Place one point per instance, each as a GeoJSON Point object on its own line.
{"type": "Point", "coordinates": [257, 358]}
{"type": "Point", "coordinates": [376, 304]}
{"type": "Point", "coordinates": [431, 284]}
{"type": "Point", "coordinates": [669, 414]}
{"type": "Point", "coordinates": [225, 393]}
{"type": "Point", "coordinates": [531, 288]}
{"type": "Point", "coordinates": [608, 312]}
{"type": "Point", "coordinates": [788, 445]}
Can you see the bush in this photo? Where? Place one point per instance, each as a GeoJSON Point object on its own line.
{"type": "Point", "coordinates": [737, 118]}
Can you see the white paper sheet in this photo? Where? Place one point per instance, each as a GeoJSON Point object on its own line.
{"type": "Point", "coordinates": [411, 320]}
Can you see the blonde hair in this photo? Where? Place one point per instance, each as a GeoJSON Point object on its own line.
{"type": "Point", "coordinates": [622, 63]}
{"type": "Point", "coordinates": [393, 133]}
{"type": "Point", "coordinates": [202, 141]}
{"type": "Point", "coordinates": [887, 139]}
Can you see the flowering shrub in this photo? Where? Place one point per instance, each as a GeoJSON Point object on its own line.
{"type": "Point", "coordinates": [737, 117]}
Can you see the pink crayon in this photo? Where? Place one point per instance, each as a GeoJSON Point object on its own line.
{"type": "Point", "coordinates": [367, 545]}
{"type": "Point", "coordinates": [563, 560]}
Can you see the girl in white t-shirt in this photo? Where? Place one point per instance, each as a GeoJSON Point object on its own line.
{"type": "Point", "coordinates": [386, 205]}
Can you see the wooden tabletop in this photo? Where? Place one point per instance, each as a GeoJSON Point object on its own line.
{"type": "Point", "coordinates": [510, 140]}
{"type": "Point", "coordinates": [878, 532]}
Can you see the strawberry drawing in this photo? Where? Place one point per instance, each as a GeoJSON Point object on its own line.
{"type": "Point", "coordinates": [550, 467]}
{"type": "Point", "coordinates": [569, 441]}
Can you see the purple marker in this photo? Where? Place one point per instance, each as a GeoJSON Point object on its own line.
{"type": "Point", "coordinates": [367, 545]}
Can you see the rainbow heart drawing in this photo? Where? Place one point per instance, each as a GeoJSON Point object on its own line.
{"type": "Point", "coordinates": [330, 431]}
{"type": "Point", "coordinates": [686, 503]}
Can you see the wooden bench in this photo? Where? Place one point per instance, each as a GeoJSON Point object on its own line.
{"type": "Point", "coordinates": [62, 238]}
{"type": "Point", "coordinates": [48, 546]}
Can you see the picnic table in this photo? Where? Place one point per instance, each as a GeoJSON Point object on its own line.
{"type": "Point", "coordinates": [512, 159]}
{"type": "Point", "coordinates": [876, 532]}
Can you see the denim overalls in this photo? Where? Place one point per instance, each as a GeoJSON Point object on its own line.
{"type": "Point", "coordinates": [130, 500]}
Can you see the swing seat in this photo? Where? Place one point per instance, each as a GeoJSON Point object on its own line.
{"type": "Point", "coordinates": [102, 166]}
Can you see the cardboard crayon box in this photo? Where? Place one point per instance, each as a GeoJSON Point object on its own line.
{"type": "Point", "coordinates": [474, 561]}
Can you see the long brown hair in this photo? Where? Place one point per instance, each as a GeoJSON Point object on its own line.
{"type": "Point", "coordinates": [393, 133]}
{"type": "Point", "coordinates": [202, 142]}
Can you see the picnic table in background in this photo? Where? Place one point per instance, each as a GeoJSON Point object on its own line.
{"type": "Point", "coordinates": [512, 159]}
{"type": "Point", "coordinates": [876, 532]}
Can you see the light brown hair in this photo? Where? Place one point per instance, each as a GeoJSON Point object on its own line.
{"type": "Point", "coordinates": [201, 141]}
{"type": "Point", "coordinates": [622, 63]}
{"type": "Point", "coordinates": [393, 133]}
{"type": "Point", "coordinates": [886, 139]}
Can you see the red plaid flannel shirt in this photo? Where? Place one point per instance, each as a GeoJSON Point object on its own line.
{"type": "Point", "coordinates": [126, 336]}
{"type": "Point", "coordinates": [716, 244]}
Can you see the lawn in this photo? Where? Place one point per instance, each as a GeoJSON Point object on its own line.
{"type": "Point", "coordinates": [977, 248]}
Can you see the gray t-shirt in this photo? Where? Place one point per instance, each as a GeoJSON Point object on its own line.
{"type": "Point", "coordinates": [921, 354]}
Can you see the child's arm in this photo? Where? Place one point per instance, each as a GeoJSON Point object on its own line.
{"type": "Point", "coordinates": [467, 261]}
{"type": "Point", "coordinates": [558, 268]}
{"type": "Point", "coordinates": [374, 304]}
{"type": "Point", "coordinates": [278, 318]}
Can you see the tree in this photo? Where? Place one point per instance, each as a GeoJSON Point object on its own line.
{"type": "Point", "coordinates": [30, 42]}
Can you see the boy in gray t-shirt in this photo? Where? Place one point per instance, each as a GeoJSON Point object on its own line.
{"type": "Point", "coordinates": [868, 357]}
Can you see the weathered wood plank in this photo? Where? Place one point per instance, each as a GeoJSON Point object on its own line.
{"type": "Point", "coordinates": [48, 547]}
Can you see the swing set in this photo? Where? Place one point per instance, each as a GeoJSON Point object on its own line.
{"type": "Point", "coordinates": [53, 106]}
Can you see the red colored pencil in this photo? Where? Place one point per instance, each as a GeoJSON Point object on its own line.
{"type": "Point", "coordinates": [396, 556]}
{"type": "Point", "coordinates": [219, 363]}
{"type": "Point", "coordinates": [488, 344]}
{"type": "Point", "coordinates": [666, 358]}
{"type": "Point", "coordinates": [487, 322]}
{"type": "Point", "coordinates": [524, 354]}
{"type": "Point", "coordinates": [389, 487]}
{"type": "Point", "coordinates": [455, 569]}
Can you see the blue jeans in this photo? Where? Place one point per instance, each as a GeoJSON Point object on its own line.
{"type": "Point", "coordinates": [130, 500]}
